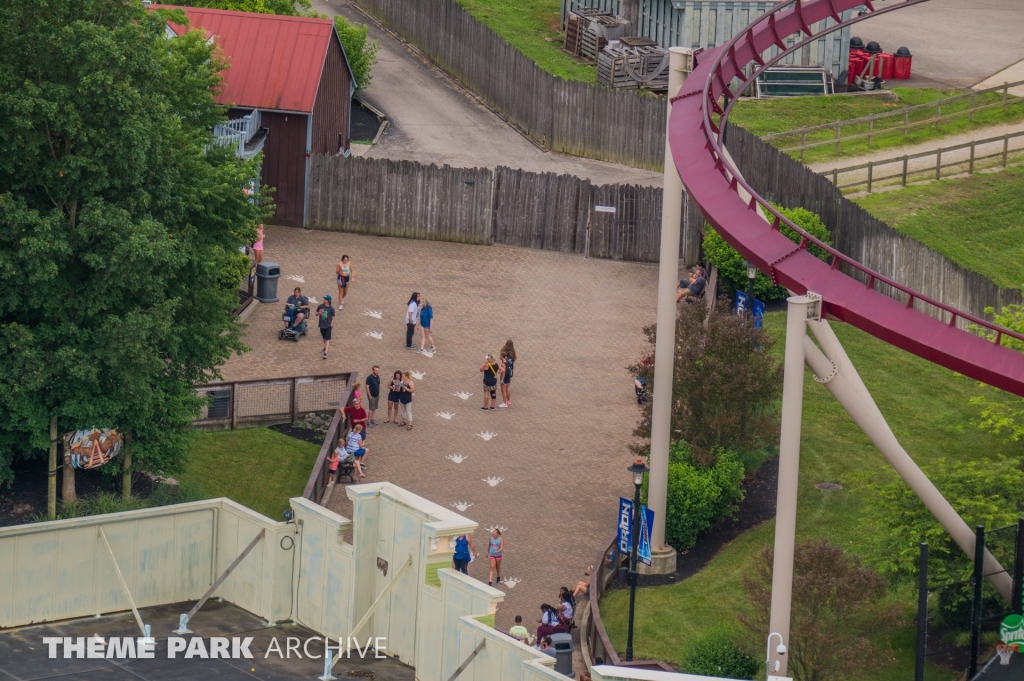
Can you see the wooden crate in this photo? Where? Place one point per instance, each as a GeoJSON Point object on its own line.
{"type": "Point", "coordinates": [576, 23]}
{"type": "Point", "coordinates": [593, 39]}
{"type": "Point", "coordinates": [623, 67]}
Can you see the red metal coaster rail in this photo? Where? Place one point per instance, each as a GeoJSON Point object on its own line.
{"type": "Point", "coordinates": [715, 184]}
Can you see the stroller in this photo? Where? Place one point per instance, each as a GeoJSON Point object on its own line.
{"type": "Point", "coordinates": [294, 331]}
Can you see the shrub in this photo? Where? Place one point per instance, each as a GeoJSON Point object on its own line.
{"type": "Point", "coordinates": [726, 383]}
{"type": "Point", "coordinates": [698, 496]}
{"type": "Point", "coordinates": [732, 273]}
{"type": "Point", "coordinates": [832, 595]}
{"type": "Point", "coordinates": [715, 654]}
{"type": "Point", "coordinates": [362, 54]}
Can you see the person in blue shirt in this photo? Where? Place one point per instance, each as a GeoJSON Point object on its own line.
{"type": "Point", "coordinates": [464, 551]}
{"type": "Point", "coordinates": [426, 319]}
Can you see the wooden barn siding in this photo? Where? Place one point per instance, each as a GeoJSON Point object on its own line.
{"type": "Point", "coordinates": [333, 103]}
{"type": "Point", "coordinates": [863, 237]}
{"type": "Point", "coordinates": [506, 207]}
{"type": "Point", "coordinates": [576, 118]}
{"type": "Point", "coordinates": [284, 164]}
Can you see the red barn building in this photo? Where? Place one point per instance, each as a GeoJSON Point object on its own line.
{"type": "Point", "coordinates": [289, 88]}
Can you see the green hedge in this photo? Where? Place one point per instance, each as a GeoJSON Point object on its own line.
{"type": "Point", "coordinates": [732, 273]}
{"type": "Point", "coordinates": [715, 654]}
{"type": "Point", "coordinates": [699, 496]}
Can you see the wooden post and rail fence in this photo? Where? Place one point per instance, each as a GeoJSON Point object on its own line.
{"type": "Point", "coordinates": [902, 117]}
{"type": "Point", "coordinates": [999, 149]}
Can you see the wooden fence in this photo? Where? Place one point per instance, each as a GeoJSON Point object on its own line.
{"type": "Point", "coordinates": [507, 207]}
{"type": "Point", "coordinates": [858, 234]}
{"type": "Point", "coordinates": [576, 118]}
{"type": "Point", "coordinates": [889, 122]}
{"type": "Point", "coordinates": [399, 198]}
{"type": "Point", "coordinates": [969, 158]}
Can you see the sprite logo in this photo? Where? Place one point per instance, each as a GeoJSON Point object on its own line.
{"type": "Point", "coordinates": [1011, 632]}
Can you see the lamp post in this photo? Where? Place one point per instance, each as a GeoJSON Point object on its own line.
{"type": "Point", "coordinates": [751, 275]}
{"type": "Point", "coordinates": [637, 469]}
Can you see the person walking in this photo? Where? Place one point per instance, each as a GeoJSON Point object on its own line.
{"type": "Point", "coordinates": [405, 400]}
{"type": "Point", "coordinates": [372, 393]}
{"type": "Point", "coordinates": [412, 318]}
{"type": "Point", "coordinates": [257, 246]}
{"type": "Point", "coordinates": [426, 319]}
{"type": "Point", "coordinates": [494, 553]}
{"type": "Point", "coordinates": [325, 317]}
{"type": "Point", "coordinates": [344, 272]}
{"type": "Point", "coordinates": [508, 361]}
{"type": "Point", "coordinates": [464, 553]}
{"type": "Point", "coordinates": [490, 370]}
{"type": "Point", "coordinates": [394, 391]}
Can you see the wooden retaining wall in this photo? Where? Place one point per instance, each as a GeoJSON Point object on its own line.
{"type": "Point", "coordinates": [860, 235]}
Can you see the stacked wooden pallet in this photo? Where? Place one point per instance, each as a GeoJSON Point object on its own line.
{"type": "Point", "coordinates": [576, 23]}
{"type": "Point", "coordinates": [599, 31]}
{"type": "Point", "coordinates": [633, 63]}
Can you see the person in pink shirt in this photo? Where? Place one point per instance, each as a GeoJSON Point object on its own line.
{"type": "Point", "coordinates": [257, 248]}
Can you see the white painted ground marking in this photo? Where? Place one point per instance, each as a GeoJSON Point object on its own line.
{"type": "Point", "coordinates": [373, 313]}
{"type": "Point", "coordinates": [418, 375]}
{"type": "Point", "coordinates": [510, 582]}
{"type": "Point", "coordinates": [493, 481]}
{"type": "Point", "coordinates": [456, 458]}
{"type": "Point", "coordinates": [463, 395]}
{"type": "Point", "coordinates": [445, 415]}
{"type": "Point", "coordinates": [379, 335]}
{"type": "Point", "coordinates": [427, 353]}
{"type": "Point", "coordinates": [492, 528]}
{"type": "Point", "coordinates": [487, 435]}
{"type": "Point", "coordinates": [296, 278]}
{"type": "Point", "coordinates": [461, 505]}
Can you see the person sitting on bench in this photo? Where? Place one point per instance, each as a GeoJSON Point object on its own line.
{"type": "Point", "coordinates": [694, 287]}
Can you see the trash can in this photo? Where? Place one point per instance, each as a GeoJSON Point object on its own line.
{"type": "Point", "coordinates": [856, 44]}
{"type": "Point", "coordinates": [901, 63]}
{"type": "Point", "coordinates": [267, 274]}
{"type": "Point", "coordinates": [563, 645]}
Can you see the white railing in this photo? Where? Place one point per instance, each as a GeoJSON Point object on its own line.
{"type": "Point", "coordinates": [239, 131]}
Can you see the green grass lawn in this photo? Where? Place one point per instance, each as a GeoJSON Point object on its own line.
{"type": "Point", "coordinates": [781, 115]}
{"type": "Point", "coordinates": [534, 28]}
{"type": "Point", "coordinates": [926, 407]}
{"type": "Point", "coordinates": [974, 221]}
{"type": "Point", "coordinates": [257, 467]}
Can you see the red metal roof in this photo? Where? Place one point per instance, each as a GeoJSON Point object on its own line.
{"type": "Point", "coordinates": [274, 61]}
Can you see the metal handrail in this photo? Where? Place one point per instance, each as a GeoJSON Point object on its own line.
{"type": "Point", "coordinates": [709, 103]}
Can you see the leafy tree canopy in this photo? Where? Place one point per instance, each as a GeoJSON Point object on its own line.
{"type": "Point", "coordinates": [286, 7]}
{"type": "Point", "coordinates": [362, 55]}
{"type": "Point", "coordinates": [120, 221]}
{"type": "Point", "coordinates": [732, 272]}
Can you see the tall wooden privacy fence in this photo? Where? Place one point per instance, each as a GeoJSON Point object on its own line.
{"type": "Point", "coordinates": [860, 235]}
{"type": "Point", "coordinates": [505, 206]}
{"type": "Point", "coordinates": [570, 117]}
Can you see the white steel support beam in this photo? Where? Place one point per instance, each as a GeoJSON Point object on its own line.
{"type": "Point", "coordinates": [789, 479]}
{"type": "Point", "coordinates": [862, 409]}
{"type": "Point", "coordinates": [664, 347]}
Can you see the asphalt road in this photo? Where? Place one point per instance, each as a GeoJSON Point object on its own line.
{"type": "Point", "coordinates": [433, 120]}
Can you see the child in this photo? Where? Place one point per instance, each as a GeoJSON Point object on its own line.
{"type": "Point", "coordinates": [519, 632]}
{"type": "Point", "coordinates": [356, 450]}
{"type": "Point", "coordinates": [334, 466]}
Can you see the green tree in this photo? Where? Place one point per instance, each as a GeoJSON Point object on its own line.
{"type": "Point", "coordinates": [362, 54]}
{"type": "Point", "coordinates": [120, 220]}
{"type": "Point", "coordinates": [286, 7]}
{"type": "Point", "coordinates": [726, 384]}
{"type": "Point", "coordinates": [732, 272]}
{"type": "Point", "coordinates": [1002, 414]}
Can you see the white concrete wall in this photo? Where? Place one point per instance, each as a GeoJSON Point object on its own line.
{"type": "Point", "coordinates": [61, 569]}
{"type": "Point", "coordinates": [609, 673]}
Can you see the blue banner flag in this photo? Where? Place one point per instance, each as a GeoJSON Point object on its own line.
{"type": "Point", "coordinates": [646, 523]}
{"type": "Point", "coordinates": [625, 523]}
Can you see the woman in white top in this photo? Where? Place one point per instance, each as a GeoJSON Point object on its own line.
{"type": "Point", "coordinates": [412, 318]}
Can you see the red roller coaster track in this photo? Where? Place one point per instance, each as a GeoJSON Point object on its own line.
{"type": "Point", "coordinates": [715, 185]}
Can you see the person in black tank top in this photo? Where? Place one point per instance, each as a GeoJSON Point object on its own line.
{"type": "Point", "coordinates": [508, 360]}
{"type": "Point", "coordinates": [491, 370]}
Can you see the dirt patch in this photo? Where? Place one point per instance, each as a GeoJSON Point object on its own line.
{"type": "Point", "coordinates": [365, 123]}
{"type": "Point", "coordinates": [27, 496]}
{"type": "Point", "coordinates": [299, 433]}
{"type": "Point", "coordinates": [758, 505]}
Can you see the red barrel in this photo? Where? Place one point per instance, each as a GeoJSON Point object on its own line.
{"type": "Point", "coordinates": [886, 68]}
{"type": "Point", "coordinates": [901, 63]}
{"type": "Point", "coordinates": [857, 61]}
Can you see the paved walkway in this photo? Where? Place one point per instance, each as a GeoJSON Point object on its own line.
{"type": "Point", "coordinates": [558, 458]}
{"type": "Point", "coordinates": [1016, 145]}
{"type": "Point", "coordinates": [433, 120]}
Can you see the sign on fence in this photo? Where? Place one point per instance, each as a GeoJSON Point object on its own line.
{"type": "Point", "coordinates": [604, 209]}
{"type": "Point", "coordinates": [757, 311]}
